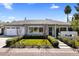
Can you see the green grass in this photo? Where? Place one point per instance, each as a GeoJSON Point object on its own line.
{"type": "Point", "coordinates": [33, 42]}
{"type": "Point", "coordinates": [77, 41]}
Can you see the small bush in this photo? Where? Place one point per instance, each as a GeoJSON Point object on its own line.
{"type": "Point", "coordinates": [12, 41]}
{"type": "Point", "coordinates": [77, 43]}
{"type": "Point", "coordinates": [65, 40]}
{"type": "Point", "coordinates": [18, 45]}
{"type": "Point", "coordinates": [54, 41]}
{"type": "Point", "coordinates": [55, 44]}
{"type": "Point", "coordinates": [71, 43]}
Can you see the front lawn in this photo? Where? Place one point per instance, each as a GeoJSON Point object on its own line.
{"type": "Point", "coordinates": [32, 43]}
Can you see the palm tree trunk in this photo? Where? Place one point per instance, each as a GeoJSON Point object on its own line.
{"type": "Point", "coordinates": [67, 18]}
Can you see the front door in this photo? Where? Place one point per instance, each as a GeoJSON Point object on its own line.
{"type": "Point", "coordinates": [50, 31]}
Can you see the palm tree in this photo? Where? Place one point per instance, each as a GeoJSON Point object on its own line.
{"type": "Point", "coordinates": [77, 7]}
{"type": "Point", "coordinates": [67, 11]}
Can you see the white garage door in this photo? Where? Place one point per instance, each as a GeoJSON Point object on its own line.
{"type": "Point", "coordinates": [13, 32]}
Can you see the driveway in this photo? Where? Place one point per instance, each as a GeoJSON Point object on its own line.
{"type": "Point", "coordinates": [3, 41]}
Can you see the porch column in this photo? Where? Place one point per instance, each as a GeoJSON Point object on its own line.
{"type": "Point", "coordinates": [55, 30]}
{"type": "Point", "coordinates": [59, 28]}
{"type": "Point", "coordinates": [26, 29]}
{"type": "Point", "coordinates": [66, 28]}
{"type": "Point", "coordinates": [45, 29]}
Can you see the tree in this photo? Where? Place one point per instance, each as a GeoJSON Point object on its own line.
{"type": "Point", "coordinates": [76, 16]}
{"type": "Point", "coordinates": [67, 11]}
{"type": "Point", "coordinates": [75, 25]}
{"type": "Point", "coordinates": [75, 19]}
{"type": "Point", "coordinates": [77, 7]}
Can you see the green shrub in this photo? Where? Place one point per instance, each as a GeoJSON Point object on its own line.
{"type": "Point", "coordinates": [34, 37]}
{"type": "Point", "coordinates": [65, 40]}
{"type": "Point", "coordinates": [77, 43]}
{"type": "Point", "coordinates": [55, 44]}
{"type": "Point", "coordinates": [54, 41]}
{"type": "Point", "coordinates": [69, 42]}
{"type": "Point", "coordinates": [12, 41]}
{"type": "Point", "coordinates": [18, 45]}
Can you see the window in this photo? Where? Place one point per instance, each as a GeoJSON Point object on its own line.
{"type": "Point", "coordinates": [13, 27]}
{"type": "Point", "coordinates": [8, 27]}
{"type": "Point", "coordinates": [35, 29]}
{"type": "Point", "coordinates": [30, 29]}
{"type": "Point", "coordinates": [40, 29]}
{"type": "Point", "coordinates": [63, 29]}
{"type": "Point", "coordinates": [18, 27]}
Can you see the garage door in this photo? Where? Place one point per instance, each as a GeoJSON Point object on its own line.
{"type": "Point", "coordinates": [11, 32]}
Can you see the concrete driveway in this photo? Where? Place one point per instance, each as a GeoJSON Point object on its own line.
{"type": "Point", "coordinates": [3, 41]}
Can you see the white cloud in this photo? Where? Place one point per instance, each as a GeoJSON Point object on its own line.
{"type": "Point", "coordinates": [70, 16]}
{"type": "Point", "coordinates": [54, 6]}
{"type": "Point", "coordinates": [7, 5]}
{"type": "Point", "coordinates": [11, 18]}
{"type": "Point", "coordinates": [30, 3]}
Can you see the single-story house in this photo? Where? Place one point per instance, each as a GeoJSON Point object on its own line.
{"type": "Point", "coordinates": [34, 27]}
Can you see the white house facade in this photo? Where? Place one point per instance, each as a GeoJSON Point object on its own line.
{"type": "Point", "coordinates": [34, 27]}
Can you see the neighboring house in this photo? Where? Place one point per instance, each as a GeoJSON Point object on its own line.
{"type": "Point", "coordinates": [35, 27]}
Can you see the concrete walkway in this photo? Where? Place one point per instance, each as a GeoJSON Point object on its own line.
{"type": "Point", "coordinates": [62, 45]}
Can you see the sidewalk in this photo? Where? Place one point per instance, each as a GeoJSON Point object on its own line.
{"type": "Point", "coordinates": [37, 52]}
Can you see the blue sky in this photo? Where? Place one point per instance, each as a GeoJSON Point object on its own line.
{"type": "Point", "coordinates": [18, 11]}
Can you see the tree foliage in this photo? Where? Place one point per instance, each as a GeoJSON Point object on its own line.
{"type": "Point", "coordinates": [75, 20]}
{"type": "Point", "coordinates": [75, 25]}
{"type": "Point", "coordinates": [76, 16]}
{"type": "Point", "coordinates": [67, 11]}
{"type": "Point", "coordinates": [77, 7]}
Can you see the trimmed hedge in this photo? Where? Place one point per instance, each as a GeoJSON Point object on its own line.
{"type": "Point", "coordinates": [12, 41]}
{"type": "Point", "coordinates": [53, 41]}
{"type": "Point", "coordinates": [34, 37]}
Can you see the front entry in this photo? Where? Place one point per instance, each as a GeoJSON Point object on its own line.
{"type": "Point", "coordinates": [50, 31]}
